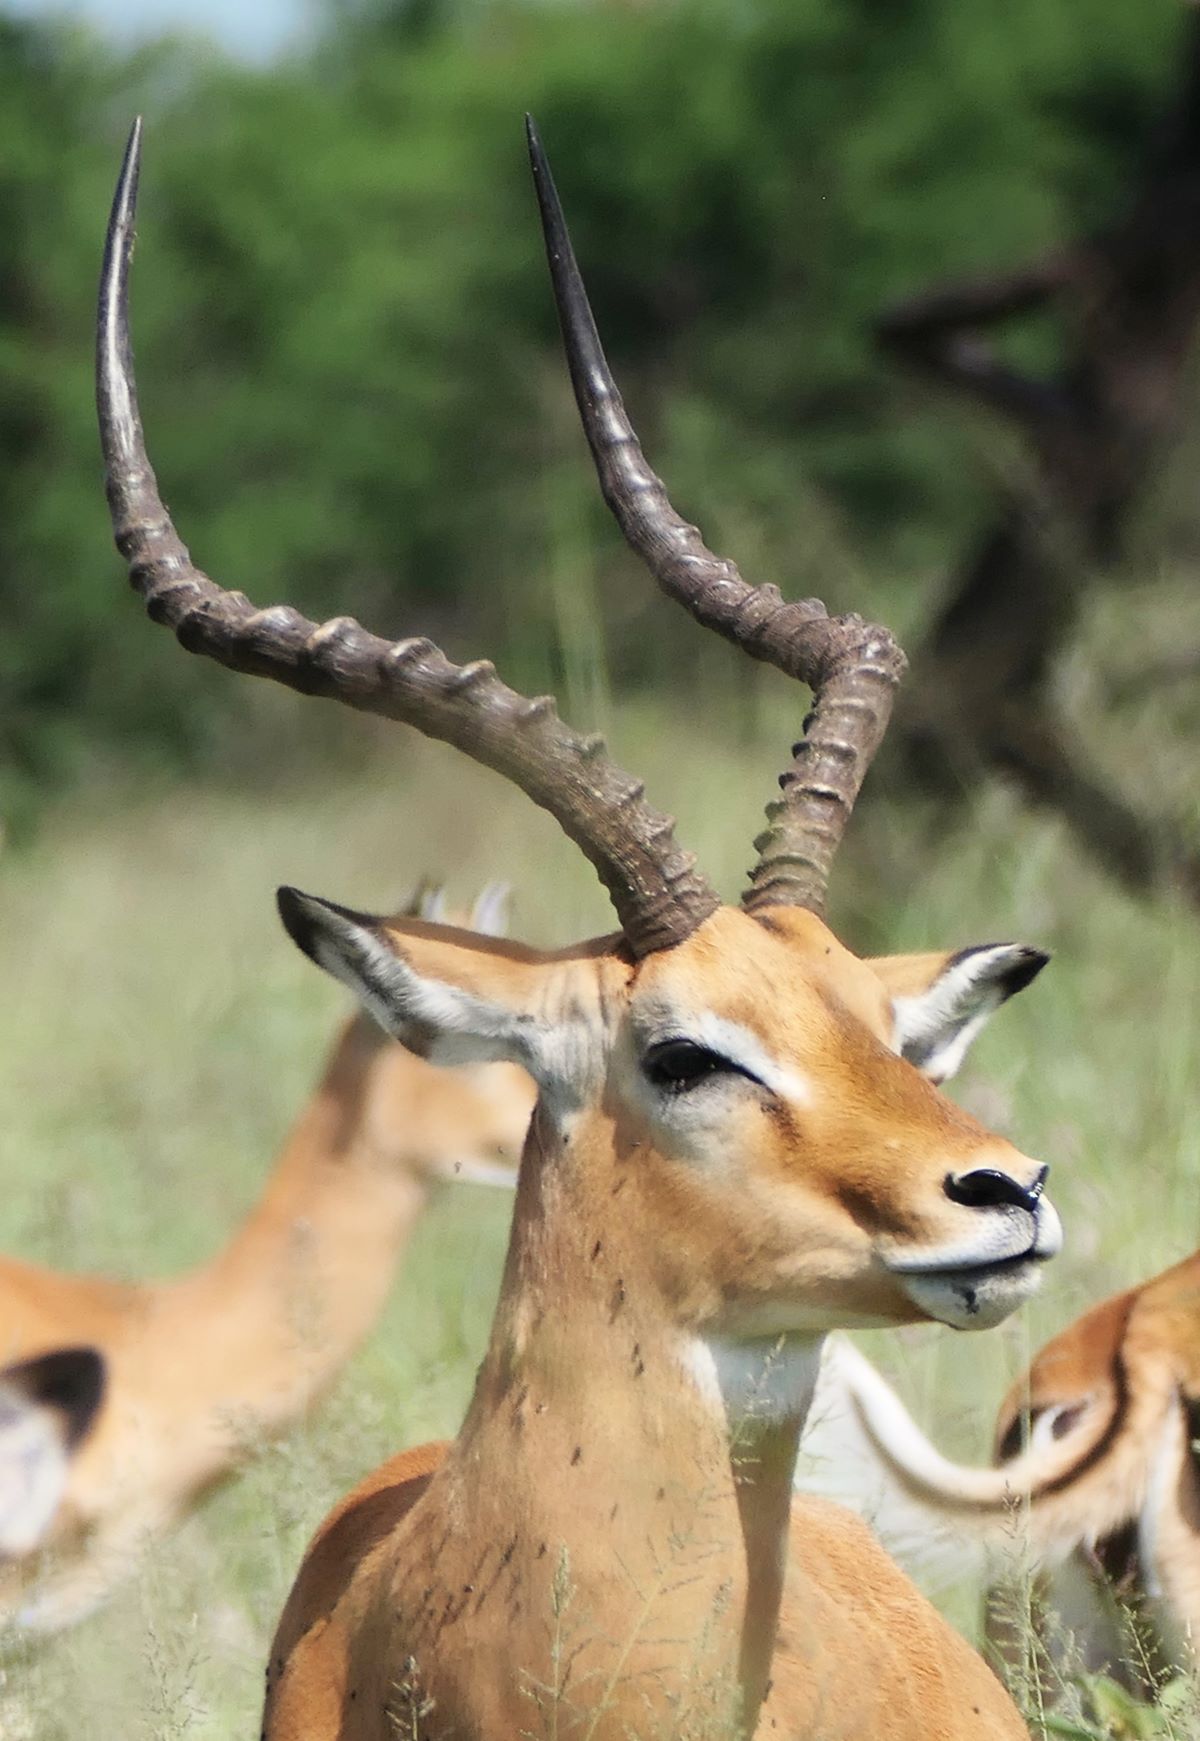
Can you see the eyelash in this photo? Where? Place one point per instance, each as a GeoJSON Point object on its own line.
{"type": "Point", "coordinates": [678, 1065]}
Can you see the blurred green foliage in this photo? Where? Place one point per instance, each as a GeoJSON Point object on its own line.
{"type": "Point", "coordinates": [347, 351]}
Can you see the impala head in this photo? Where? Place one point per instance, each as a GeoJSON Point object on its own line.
{"type": "Point", "coordinates": [796, 1170]}
{"type": "Point", "coordinates": [759, 1085]}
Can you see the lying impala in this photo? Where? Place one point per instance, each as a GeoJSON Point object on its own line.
{"type": "Point", "coordinates": [730, 1154]}
{"type": "Point", "coordinates": [1095, 1489]}
{"type": "Point", "coordinates": [201, 1369]}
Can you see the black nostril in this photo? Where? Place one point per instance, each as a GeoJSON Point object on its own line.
{"type": "Point", "coordinates": [989, 1188]}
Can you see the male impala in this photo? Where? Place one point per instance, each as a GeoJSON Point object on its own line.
{"type": "Point", "coordinates": [728, 1157]}
{"type": "Point", "coordinates": [1095, 1489]}
{"type": "Point", "coordinates": [202, 1368]}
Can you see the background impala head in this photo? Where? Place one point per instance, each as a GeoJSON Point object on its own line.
{"type": "Point", "coordinates": [1087, 1528]}
{"type": "Point", "coordinates": [737, 1071]}
{"type": "Point", "coordinates": [189, 1376]}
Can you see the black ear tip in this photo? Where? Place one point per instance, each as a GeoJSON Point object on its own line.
{"type": "Point", "coordinates": [70, 1380]}
{"type": "Point", "coordinates": [533, 143]}
{"type": "Point", "coordinates": [82, 1377]}
{"type": "Point", "coordinates": [1027, 964]}
{"type": "Point", "coordinates": [296, 911]}
{"type": "Point", "coordinates": [308, 919]}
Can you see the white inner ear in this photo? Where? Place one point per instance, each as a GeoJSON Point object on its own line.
{"type": "Point", "coordinates": [33, 1473]}
{"type": "Point", "coordinates": [491, 912]}
{"type": "Point", "coordinates": [444, 1023]}
{"type": "Point", "coordinates": [935, 1029]}
{"type": "Point", "coordinates": [432, 904]}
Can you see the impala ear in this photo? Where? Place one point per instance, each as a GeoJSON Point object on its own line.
{"type": "Point", "coordinates": [427, 901]}
{"type": "Point", "coordinates": [47, 1406]}
{"type": "Point", "coordinates": [940, 1003]}
{"type": "Point", "coordinates": [447, 995]}
{"type": "Point", "coordinates": [492, 911]}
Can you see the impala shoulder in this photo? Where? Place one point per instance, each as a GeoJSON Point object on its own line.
{"type": "Point", "coordinates": [841, 1546]}
{"type": "Point", "coordinates": [924, 1677]}
{"type": "Point", "coordinates": [342, 1550]}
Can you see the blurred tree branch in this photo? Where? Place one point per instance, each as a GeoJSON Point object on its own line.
{"type": "Point", "coordinates": [1128, 301]}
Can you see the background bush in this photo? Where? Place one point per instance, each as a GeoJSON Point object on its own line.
{"type": "Point", "coordinates": [349, 362]}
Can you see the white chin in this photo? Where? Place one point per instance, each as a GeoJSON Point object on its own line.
{"type": "Point", "coordinates": [973, 1299]}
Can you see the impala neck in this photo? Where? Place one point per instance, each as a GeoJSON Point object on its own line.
{"type": "Point", "coordinates": [305, 1277]}
{"type": "Point", "coordinates": [651, 1460]}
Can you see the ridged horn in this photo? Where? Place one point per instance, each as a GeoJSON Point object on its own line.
{"type": "Point", "coordinates": [852, 667]}
{"type": "Point", "coordinates": [659, 895]}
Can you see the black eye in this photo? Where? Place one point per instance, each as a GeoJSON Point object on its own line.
{"type": "Point", "coordinates": [679, 1064]}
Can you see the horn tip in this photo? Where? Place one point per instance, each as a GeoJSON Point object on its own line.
{"type": "Point", "coordinates": [539, 163]}
{"type": "Point", "coordinates": [538, 160]}
{"type": "Point", "coordinates": [127, 185]}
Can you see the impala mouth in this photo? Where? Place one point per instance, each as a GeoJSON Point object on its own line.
{"type": "Point", "coordinates": [975, 1295]}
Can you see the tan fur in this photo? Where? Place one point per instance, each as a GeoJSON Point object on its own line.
{"type": "Point", "coordinates": [846, 1602]}
{"type": "Point", "coordinates": [313, 1637]}
{"type": "Point", "coordinates": [909, 975]}
{"type": "Point", "coordinates": [202, 1368]}
{"type": "Point", "coordinates": [861, 1654]}
{"type": "Point", "coordinates": [601, 1550]}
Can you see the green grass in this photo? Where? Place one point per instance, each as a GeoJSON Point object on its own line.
{"type": "Point", "coordinates": [157, 1033]}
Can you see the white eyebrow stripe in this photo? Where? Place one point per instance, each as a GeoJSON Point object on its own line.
{"type": "Point", "coordinates": [747, 1051]}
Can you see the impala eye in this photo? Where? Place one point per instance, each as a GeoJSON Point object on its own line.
{"type": "Point", "coordinates": [676, 1065]}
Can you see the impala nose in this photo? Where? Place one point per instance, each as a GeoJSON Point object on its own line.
{"type": "Point", "coordinates": [989, 1188]}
